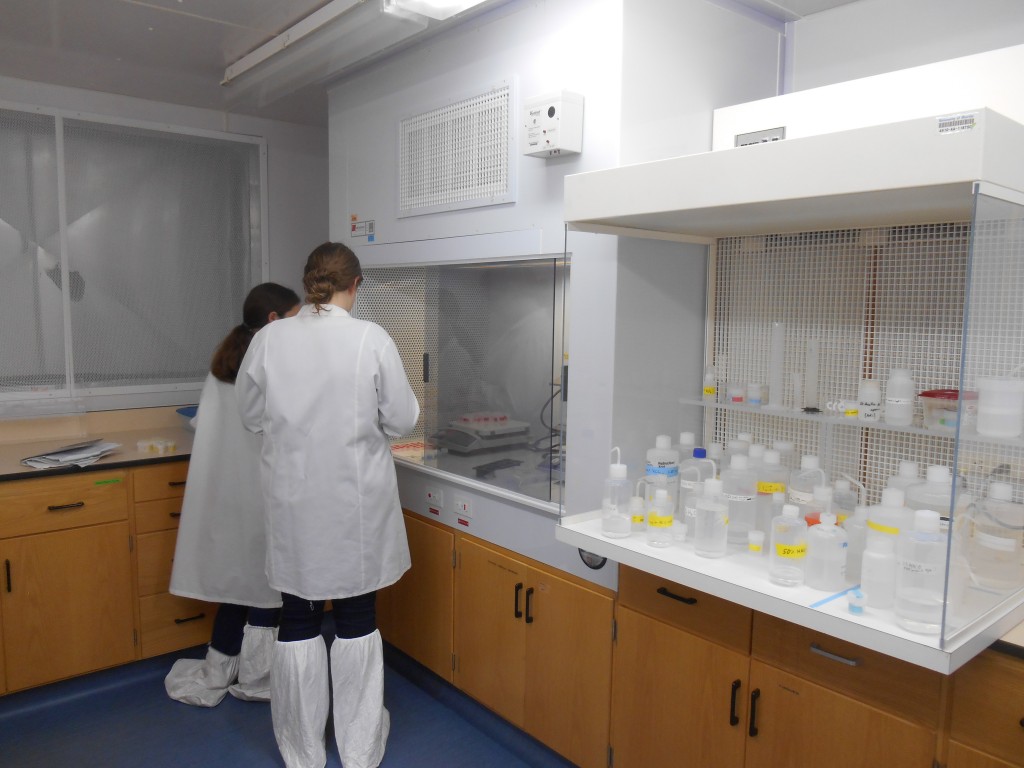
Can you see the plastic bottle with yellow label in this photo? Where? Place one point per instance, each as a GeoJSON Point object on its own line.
{"type": "Point", "coordinates": [788, 549]}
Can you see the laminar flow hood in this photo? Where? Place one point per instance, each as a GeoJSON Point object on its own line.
{"type": "Point", "coordinates": [922, 170]}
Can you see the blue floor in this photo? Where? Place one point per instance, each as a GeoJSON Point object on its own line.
{"type": "Point", "coordinates": [122, 718]}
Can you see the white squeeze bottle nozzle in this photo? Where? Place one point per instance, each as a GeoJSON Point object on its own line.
{"type": "Point", "coordinates": [615, 514]}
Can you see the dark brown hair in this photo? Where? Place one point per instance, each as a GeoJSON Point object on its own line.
{"type": "Point", "coordinates": [330, 268]}
{"type": "Point", "coordinates": [261, 301]}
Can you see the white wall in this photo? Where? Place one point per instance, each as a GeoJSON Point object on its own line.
{"type": "Point", "coordinates": [681, 60]}
{"type": "Point", "coordinates": [296, 161]}
{"type": "Point", "coordinates": [548, 45]}
{"type": "Point", "coordinates": [874, 36]}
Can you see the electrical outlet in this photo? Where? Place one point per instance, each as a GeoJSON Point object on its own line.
{"type": "Point", "coordinates": [463, 508]}
{"type": "Point", "coordinates": [435, 501]}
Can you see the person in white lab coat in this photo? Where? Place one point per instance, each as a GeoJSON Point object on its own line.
{"type": "Point", "coordinates": [220, 554]}
{"type": "Point", "coordinates": [326, 390]}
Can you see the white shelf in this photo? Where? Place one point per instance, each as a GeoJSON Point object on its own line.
{"type": "Point", "coordinates": [841, 421]}
{"type": "Point", "coordinates": [899, 173]}
{"type": "Point", "coordinates": [743, 579]}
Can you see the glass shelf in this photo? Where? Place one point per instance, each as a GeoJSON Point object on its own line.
{"type": "Point", "coordinates": [842, 421]}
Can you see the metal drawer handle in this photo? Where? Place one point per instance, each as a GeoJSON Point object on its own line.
{"type": "Point", "coordinates": [60, 507]}
{"type": "Point", "coordinates": [815, 648]}
{"type": "Point", "coordinates": [529, 601]}
{"type": "Point", "coordinates": [175, 514]}
{"type": "Point", "coordinates": [515, 609]}
{"type": "Point", "coordinates": [688, 600]}
{"type": "Point", "coordinates": [176, 483]}
{"type": "Point", "coordinates": [754, 696]}
{"type": "Point", "coordinates": [190, 618]}
{"type": "Point", "coordinates": [733, 719]}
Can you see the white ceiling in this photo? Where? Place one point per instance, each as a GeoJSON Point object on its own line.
{"type": "Point", "coordinates": [177, 50]}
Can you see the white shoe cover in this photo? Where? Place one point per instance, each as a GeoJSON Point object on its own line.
{"type": "Point", "coordinates": [202, 682]}
{"type": "Point", "coordinates": [361, 723]}
{"type": "Point", "coordinates": [300, 701]}
{"type": "Point", "coordinates": [254, 664]}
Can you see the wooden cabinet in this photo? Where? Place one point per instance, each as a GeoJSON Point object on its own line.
{"type": "Point", "coordinates": [534, 646]}
{"type": "Point", "coordinates": [699, 681]}
{"type": "Point", "coordinates": [168, 622]}
{"type": "Point", "coordinates": [66, 602]}
{"type": "Point", "coordinates": [817, 700]}
{"type": "Point", "coordinates": [679, 685]}
{"type": "Point", "coordinates": [987, 725]}
{"type": "Point", "coordinates": [415, 615]}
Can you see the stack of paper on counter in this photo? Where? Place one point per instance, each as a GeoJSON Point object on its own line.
{"type": "Point", "coordinates": [77, 454]}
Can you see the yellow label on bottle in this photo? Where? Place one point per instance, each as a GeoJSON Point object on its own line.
{"type": "Point", "coordinates": [791, 551]}
{"type": "Point", "coordinates": [850, 413]}
{"type": "Point", "coordinates": [710, 391]}
{"type": "Point", "coordinates": [883, 528]}
{"type": "Point", "coordinates": [659, 521]}
{"type": "Point", "coordinates": [767, 489]}
{"type": "Point", "coordinates": [638, 519]}
{"type": "Point", "coordinates": [754, 547]}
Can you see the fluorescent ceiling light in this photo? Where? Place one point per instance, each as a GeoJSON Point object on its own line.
{"type": "Point", "coordinates": [437, 9]}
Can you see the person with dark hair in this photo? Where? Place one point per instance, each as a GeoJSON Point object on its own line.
{"type": "Point", "coordinates": [326, 390]}
{"type": "Point", "coordinates": [220, 555]}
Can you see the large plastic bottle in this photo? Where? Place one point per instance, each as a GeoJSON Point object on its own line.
{"type": "Point", "coordinates": [921, 575]}
{"type": "Point", "coordinates": [787, 453]}
{"type": "Point", "coordinates": [803, 480]}
{"type": "Point", "coordinates": [899, 398]}
{"type": "Point", "coordinates": [825, 567]}
{"type": "Point", "coordinates": [662, 469]}
{"type": "Point", "coordinates": [844, 499]}
{"type": "Point", "coordinates": [755, 454]}
{"type": "Point", "coordinates": [638, 508]}
{"type": "Point", "coordinates": [615, 519]}
{"type": "Point", "coordinates": [890, 516]}
{"type": "Point", "coordinates": [878, 572]}
{"type": "Point", "coordinates": [692, 474]}
{"type": "Point", "coordinates": [660, 519]}
{"type": "Point", "coordinates": [821, 503]}
{"type": "Point", "coordinates": [788, 548]}
{"type": "Point", "coordinates": [739, 486]}
{"type": "Point", "coordinates": [711, 528]}
{"type": "Point", "coordinates": [936, 492]}
{"type": "Point", "coordinates": [772, 478]}
{"type": "Point", "coordinates": [907, 475]}
{"type": "Point", "coordinates": [994, 553]}
{"type": "Point", "coordinates": [856, 527]}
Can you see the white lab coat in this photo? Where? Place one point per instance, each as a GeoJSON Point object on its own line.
{"type": "Point", "coordinates": [222, 544]}
{"type": "Point", "coordinates": [326, 390]}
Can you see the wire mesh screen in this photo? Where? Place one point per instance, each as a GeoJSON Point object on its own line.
{"type": "Point", "coordinates": [458, 156]}
{"type": "Point", "coordinates": [164, 230]}
{"type": "Point", "coordinates": [867, 301]}
{"type": "Point", "coordinates": [31, 310]}
{"type": "Point", "coordinates": [395, 299]}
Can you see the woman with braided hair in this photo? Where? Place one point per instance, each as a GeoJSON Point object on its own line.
{"type": "Point", "coordinates": [326, 390]}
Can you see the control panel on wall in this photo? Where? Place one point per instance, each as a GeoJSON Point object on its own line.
{"type": "Point", "coordinates": [553, 125]}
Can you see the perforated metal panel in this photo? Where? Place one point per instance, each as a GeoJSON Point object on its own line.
{"type": "Point", "coordinates": [458, 156]}
{"type": "Point", "coordinates": [874, 299]}
{"type": "Point", "coordinates": [395, 299]}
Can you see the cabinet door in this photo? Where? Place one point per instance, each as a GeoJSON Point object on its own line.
{"type": "Point", "coordinates": [490, 641]}
{"type": "Point", "coordinates": [988, 706]}
{"type": "Point", "coordinates": [415, 615]}
{"type": "Point", "coordinates": [962, 756]}
{"type": "Point", "coordinates": [568, 667]}
{"type": "Point", "coordinates": [797, 723]}
{"type": "Point", "coordinates": [67, 603]}
{"type": "Point", "coordinates": [677, 699]}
